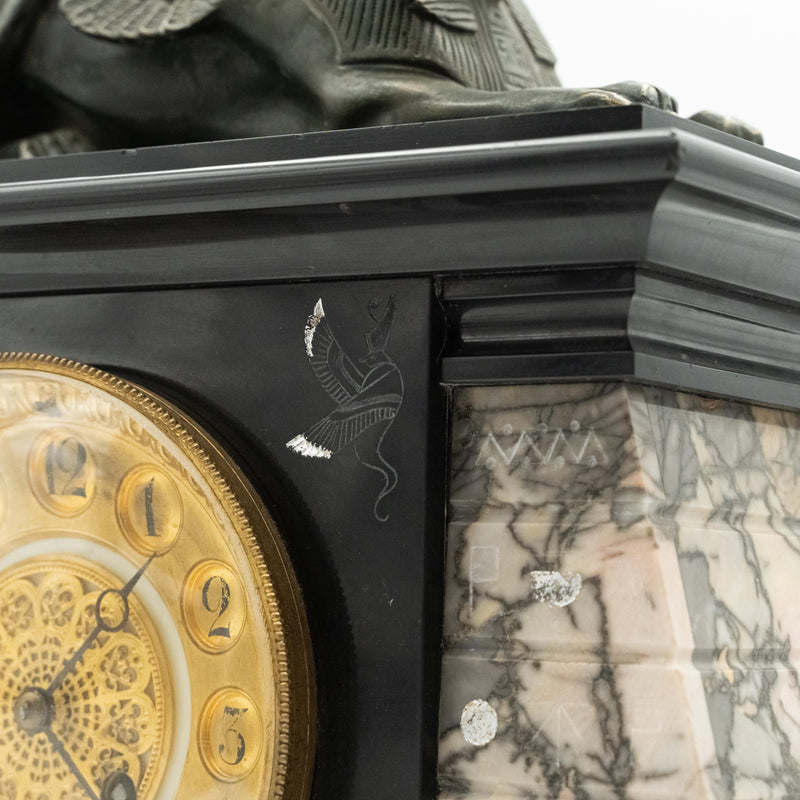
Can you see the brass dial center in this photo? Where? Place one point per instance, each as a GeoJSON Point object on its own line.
{"type": "Point", "coordinates": [112, 611]}
{"type": "Point", "coordinates": [33, 711]}
{"type": "Point", "coordinates": [139, 573]}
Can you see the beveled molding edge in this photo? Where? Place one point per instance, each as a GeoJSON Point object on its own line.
{"type": "Point", "coordinates": [678, 199]}
{"type": "Point", "coordinates": [544, 150]}
{"type": "Point", "coordinates": [626, 322]}
{"type": "Point", "coordinates": [524, 164]}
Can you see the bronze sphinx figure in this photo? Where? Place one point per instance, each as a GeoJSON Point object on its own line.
{"type": "Point", "coordinates": [87, 74]}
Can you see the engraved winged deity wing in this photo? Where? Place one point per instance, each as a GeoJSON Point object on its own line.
{"type": "Point", "coordinates": [337, 373]}
{"type": "Point", "coordinates": [135, 19]}
{"type": "Point", "coordinates": [363, 400]}
{"type": "Point", "coordinates": [367, 399]}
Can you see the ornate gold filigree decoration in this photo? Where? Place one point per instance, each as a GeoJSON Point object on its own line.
{"type": "Point", "coordinates": [93, 461]}
{"type": "Point", "coordinates": [108, 711]}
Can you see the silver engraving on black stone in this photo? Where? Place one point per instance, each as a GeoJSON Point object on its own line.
{"type": "Point", "coordinates": [368, 394]}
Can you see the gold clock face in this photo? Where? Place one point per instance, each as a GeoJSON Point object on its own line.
{"type": "Point", "coordinates": [153, 644]}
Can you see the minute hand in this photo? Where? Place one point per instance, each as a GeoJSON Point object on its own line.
{"type": "Point", "coordinates": [101, 626]}
{"type": "Point", "coordinates": [58, 746]}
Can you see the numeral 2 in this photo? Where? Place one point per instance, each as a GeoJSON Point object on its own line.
{"type": "Point", "coordinates": [220, 608]}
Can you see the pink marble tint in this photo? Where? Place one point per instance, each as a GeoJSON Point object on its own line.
{"type": "Point", "coordinates": [674, 521]}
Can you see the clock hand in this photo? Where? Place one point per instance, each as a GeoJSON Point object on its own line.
{"type": "Point", "coordinates": [111, 611]}
{"type": "Point", "coordinates": [58, 746]}
{"type": "Point", "coordinates": [118, 786]}
{"type": "Point", "coordinates": [34, 711]}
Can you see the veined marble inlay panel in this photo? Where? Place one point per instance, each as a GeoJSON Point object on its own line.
{"type": "Point", "coordinates": [623, 575]}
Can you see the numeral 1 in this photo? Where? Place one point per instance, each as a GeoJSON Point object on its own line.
{"type": "Point", "coordinates": [150, 521]}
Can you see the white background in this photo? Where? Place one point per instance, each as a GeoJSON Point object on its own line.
{"type": "Point", "coordinates": [732, 57]}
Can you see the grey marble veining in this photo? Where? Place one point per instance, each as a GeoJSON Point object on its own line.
{"type": "Point", "coordinates": [622, 570]}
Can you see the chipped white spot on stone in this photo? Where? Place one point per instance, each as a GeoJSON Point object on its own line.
{"type": "Point", "coordinates": [301, 445]}
{"type": "Point", "coordinates": [478, 723]}
{"type": "Point", "coordinates": [555, 589]}
{"type": "Point", "coordinates": [311, 327]}
{"type": "Point", "coordinates": [508, 430]}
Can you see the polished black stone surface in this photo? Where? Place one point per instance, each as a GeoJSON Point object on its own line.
{"type": "Point", "coordinates": [621, 244]}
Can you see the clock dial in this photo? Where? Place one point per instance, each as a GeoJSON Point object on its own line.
{"type": "Point", "coordinates": [152, 639]}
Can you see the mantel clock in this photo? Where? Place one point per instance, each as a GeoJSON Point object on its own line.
{"type": "Point", "coordinates": [152, 638]}
{"type": "Point", "coordinates": [515, 400]}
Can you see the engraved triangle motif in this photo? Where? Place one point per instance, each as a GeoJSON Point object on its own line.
{"type": "Point", "coordinates": [579, 447]}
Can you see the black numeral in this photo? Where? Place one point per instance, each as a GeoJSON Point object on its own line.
{"type": "Point", "coordinates": [150, 519]}
{"type": "Point", "coordinates": [220, 608]}
{"type": "Point", "coordinates": [233, 737]}
{"type": "Point", "coordinates": [64, 463]}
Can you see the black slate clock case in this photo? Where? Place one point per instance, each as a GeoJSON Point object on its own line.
{"type": "Point", "coordinates": [535, 248]}
{"type": "Point", "coordinates": [234, 359]}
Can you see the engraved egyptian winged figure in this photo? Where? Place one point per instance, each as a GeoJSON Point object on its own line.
{"type": "Point", "coordinates": [367, 394]}
{"type": "Point", "coordinates": [89, 74]}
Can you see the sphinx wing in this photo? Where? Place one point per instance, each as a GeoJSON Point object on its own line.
{"type": "Point", "coordinates": [455, 13]}
{"type": "Point", "coordinates": [135, 19]}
